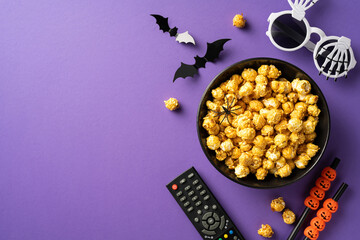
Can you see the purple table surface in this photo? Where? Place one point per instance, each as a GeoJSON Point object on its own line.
{"type": "Point", "coordinates": [87, 146]}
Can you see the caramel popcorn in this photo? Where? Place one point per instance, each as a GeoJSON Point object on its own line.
{"type": "Point", "coordinates": [172, 104]}
{"type": "Point", "coordinates": [268, 126]}
{"type": "Point", "coordinates": [265, 231]}
{"type": "Point", "coordinates": [239, 21]}
{"type": "Point", "coordinates": [288, 216]}
{"type": "Point", "coordinates": [277, 205]}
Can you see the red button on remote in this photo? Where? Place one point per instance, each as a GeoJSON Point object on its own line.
{"type": "Point", "coordinates": [174, 187]}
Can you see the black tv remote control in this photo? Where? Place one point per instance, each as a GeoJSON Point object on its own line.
{"type": "Point", "coordinates": [202, 208]}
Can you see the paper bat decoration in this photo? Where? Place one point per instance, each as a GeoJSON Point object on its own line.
{"type": "Point", "coordinates": [184, 37]}
{"type": "Point", "coordinates": [212, 52]}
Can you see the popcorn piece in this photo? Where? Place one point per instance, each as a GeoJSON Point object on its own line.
{"type": "Point", "coordinates": [241, 171]}
{"type": "Point", "coordinates": [274, 116]}
{"type": "Point", "coordinates": [259, 141]}
{"type": "Point", "coordinates": [255, 105]}
{"type": "Point", "coordinates": [213, 142]}
{"type": "Point", "coordinates": [261, 80]}
{"type": "Point", "coordinates": [312, 149]}
{"type": "Point", "coordinates": [281, 98]}
{"type": "Point", "coordinates": [247, 133]}
{"type": "Point", "coordinates": [245, 146]}
{"type": "Point", "coordinates": [311, 99]}
{"type": "Point", "coordinates": [237, 78]}
{"type": "Point", "coordinates": [236, 152]}
{"type": "Point", "coordinates": [268, 164]}
{"type": "Point", "coordinates": [289, 152]}
{"type": "Point", "coordinates": [267, 130]}
{"type": "Point", "coordinates": [215, 130]}
{"type": "Point", "coordinates": [220, 155]}
{"type": "Point", "coordinates": [258, 121]}
{"type": "Point", "coordinates": [277, 205]}
{"type": "Point", "coordinates": [227, 145]}
{"type": "Point", "coordinates": [313, 110]}
{"type": "Point", "coordinates": [230, 163]}
{"type": "Point", "coordinates": [281, 127]}
{"type": "Point", "coordinates": [242, 122]}
{"type": "Point", "coordinates": [249, 74]}
{"type": "Point", "coordinates": [245, 159]}
{"type": "Point", "coordinates": [246, 89]}
{"type": "Point", "coordinates": [212, 106]}
{"type": "Point", "coordinates": [265, 231]}
{"type": "Point", "coordinates": [273, 72]}
{"type": "Point", "coordinates": [230, 132]}
{"type": "Point", "coordinates": [264, 70]}
{"type": "Point", "coordinates": [239, 21]}
{"type": "Point", "coordinates": [301, 86]}
{"type": "Point", "coordinates": [172, 104]}
{"type": "Point", "coordinates": [209, 123]}
{"type": "Point", "coordinates": [310, 137]}
{"type": "Point", "coordinates": [217, 93]}
{"type": "Point", "coordinates": [295, 125]}
{"type": "Point", "coordinates": [309, 125]}
{"type": "Point", "coordinates": [288, 216]}
{"type": "Point", "coordinates": [255, 163]}
{"type": "Point", "coordinates": [281, 140]}
{"type": "Point", "coordinates": [284, 171]}
{"type": "Point", "coordinates": [302, 160]}
{"type": "Point", "coordinates": [258, 152]}
{"type": "Point", "coordinates": [261, 173]}
{"type": "Point", "coordinates": [273, 153]}
{"type": "Point", "coordinates": [271, 103]}
{"type": "Point", "coordinates": [288, 107]}
{"type": "Point", "coordinates": [293, 97]}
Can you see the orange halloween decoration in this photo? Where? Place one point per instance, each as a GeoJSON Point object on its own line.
{"type": "Point", "coordinates": [311, 203]}
{"type": "Point", "coordinates": [329, 173]}
{"type": "Point", "coordinates": [318, 223]}
{"type": "Point", "coordinates": [331, 205]}
{"type": "Point", "coordinates": [323, 183]}
{"type": "Point", "coordinates": [317, 193]}
{"type": "Point", "coordinates": [311, 232]}
{"type": "Point", "coordinates": [324, 214]}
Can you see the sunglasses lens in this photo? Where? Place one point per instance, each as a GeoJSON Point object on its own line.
{"type": "Point", "coordinates": [288, 32]}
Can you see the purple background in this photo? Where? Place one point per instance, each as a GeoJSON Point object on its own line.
{"type": "Point", "coordinates": [86, 144]}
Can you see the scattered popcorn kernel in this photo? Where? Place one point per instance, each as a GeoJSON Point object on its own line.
{"type": "Point", "coordinates": [265, 231]}
{"type": "Point", "coordinates": [239, 21]}
{"type": "Point", "coordinates": [172, 104]}
{"type": "Point", "coordinates": [277, 205]}
{"type": "Point", "coordinates": [288, 216]}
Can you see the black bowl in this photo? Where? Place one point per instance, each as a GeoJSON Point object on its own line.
{"type": "Point", "coordinates": [290, 72]}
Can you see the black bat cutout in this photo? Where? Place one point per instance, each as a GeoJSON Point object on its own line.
{"type": "Point", "coordinates": [212, 52]}
{"type": "Point", "coordinates": [163, 23]}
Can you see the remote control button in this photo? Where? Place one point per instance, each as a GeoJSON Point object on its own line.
{"type": "Point", "coordinates": [187, 188]}
{"type": "Point", "coordinates": [204, 223]}
{"type": "Point", "coordinates": [207, 215]}
{"type": "Point", "coordinates": [206, 197]}
{"type": "Point", "coordinates": [196, 220]}
{"type": "Point", "coordinates": [190, 175]}
{"type": "Point", "coordinates": [214, 226]}
{"type": "Point", "coordinates": [199, 212]}
{"type": "Point", "coordinates": [178, 194]}
{"type": "Point", "coordinates": [174, 187]}
{"type": "Point", "coordinates": [186, 204]}
{"type": "Point", "coordinates": [198, 203]}
{"type": "Point", "coordinates": [195, 182]}
{"type": "Point", "coordinates": [206, 207]}
{"type": "Point", "coordinates": [208, 232]}
{"type": "Point", "coordinates": [231, 231]}
{"type": "Point", "coordinates": [182, 199]}
{"type": "Point", "coordinates": [194, 198]}
{"type": "Point", "coordinates": [226, 236]}
{"type": "Point", "coordinates": [191, 193]}
{"type": "Point", "coordinates": [182, 181]}
{"type": "Point", "coordinates": [210, 221]}
{"type": "Point", "coordinates": [190, 209]}
{"type": "Point", "coordinates": [199, 187]}
{"type": "Point", "coordinates": [222, 222]}
{"type": "Point", "coordinates": [214, 207]}
{"type": "Point", "coordinates": [202, 192]}
{"type": "Point", "coordinates": [216, 217]}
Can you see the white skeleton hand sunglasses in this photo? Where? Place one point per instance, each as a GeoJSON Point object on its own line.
{"type": "Point", "coordinates": [289, 31]}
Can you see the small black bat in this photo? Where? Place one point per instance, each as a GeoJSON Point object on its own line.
{"type": "Point", "coordinates": [184, 37]}
{"type": "Point", "coordinates": [212, 52]}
